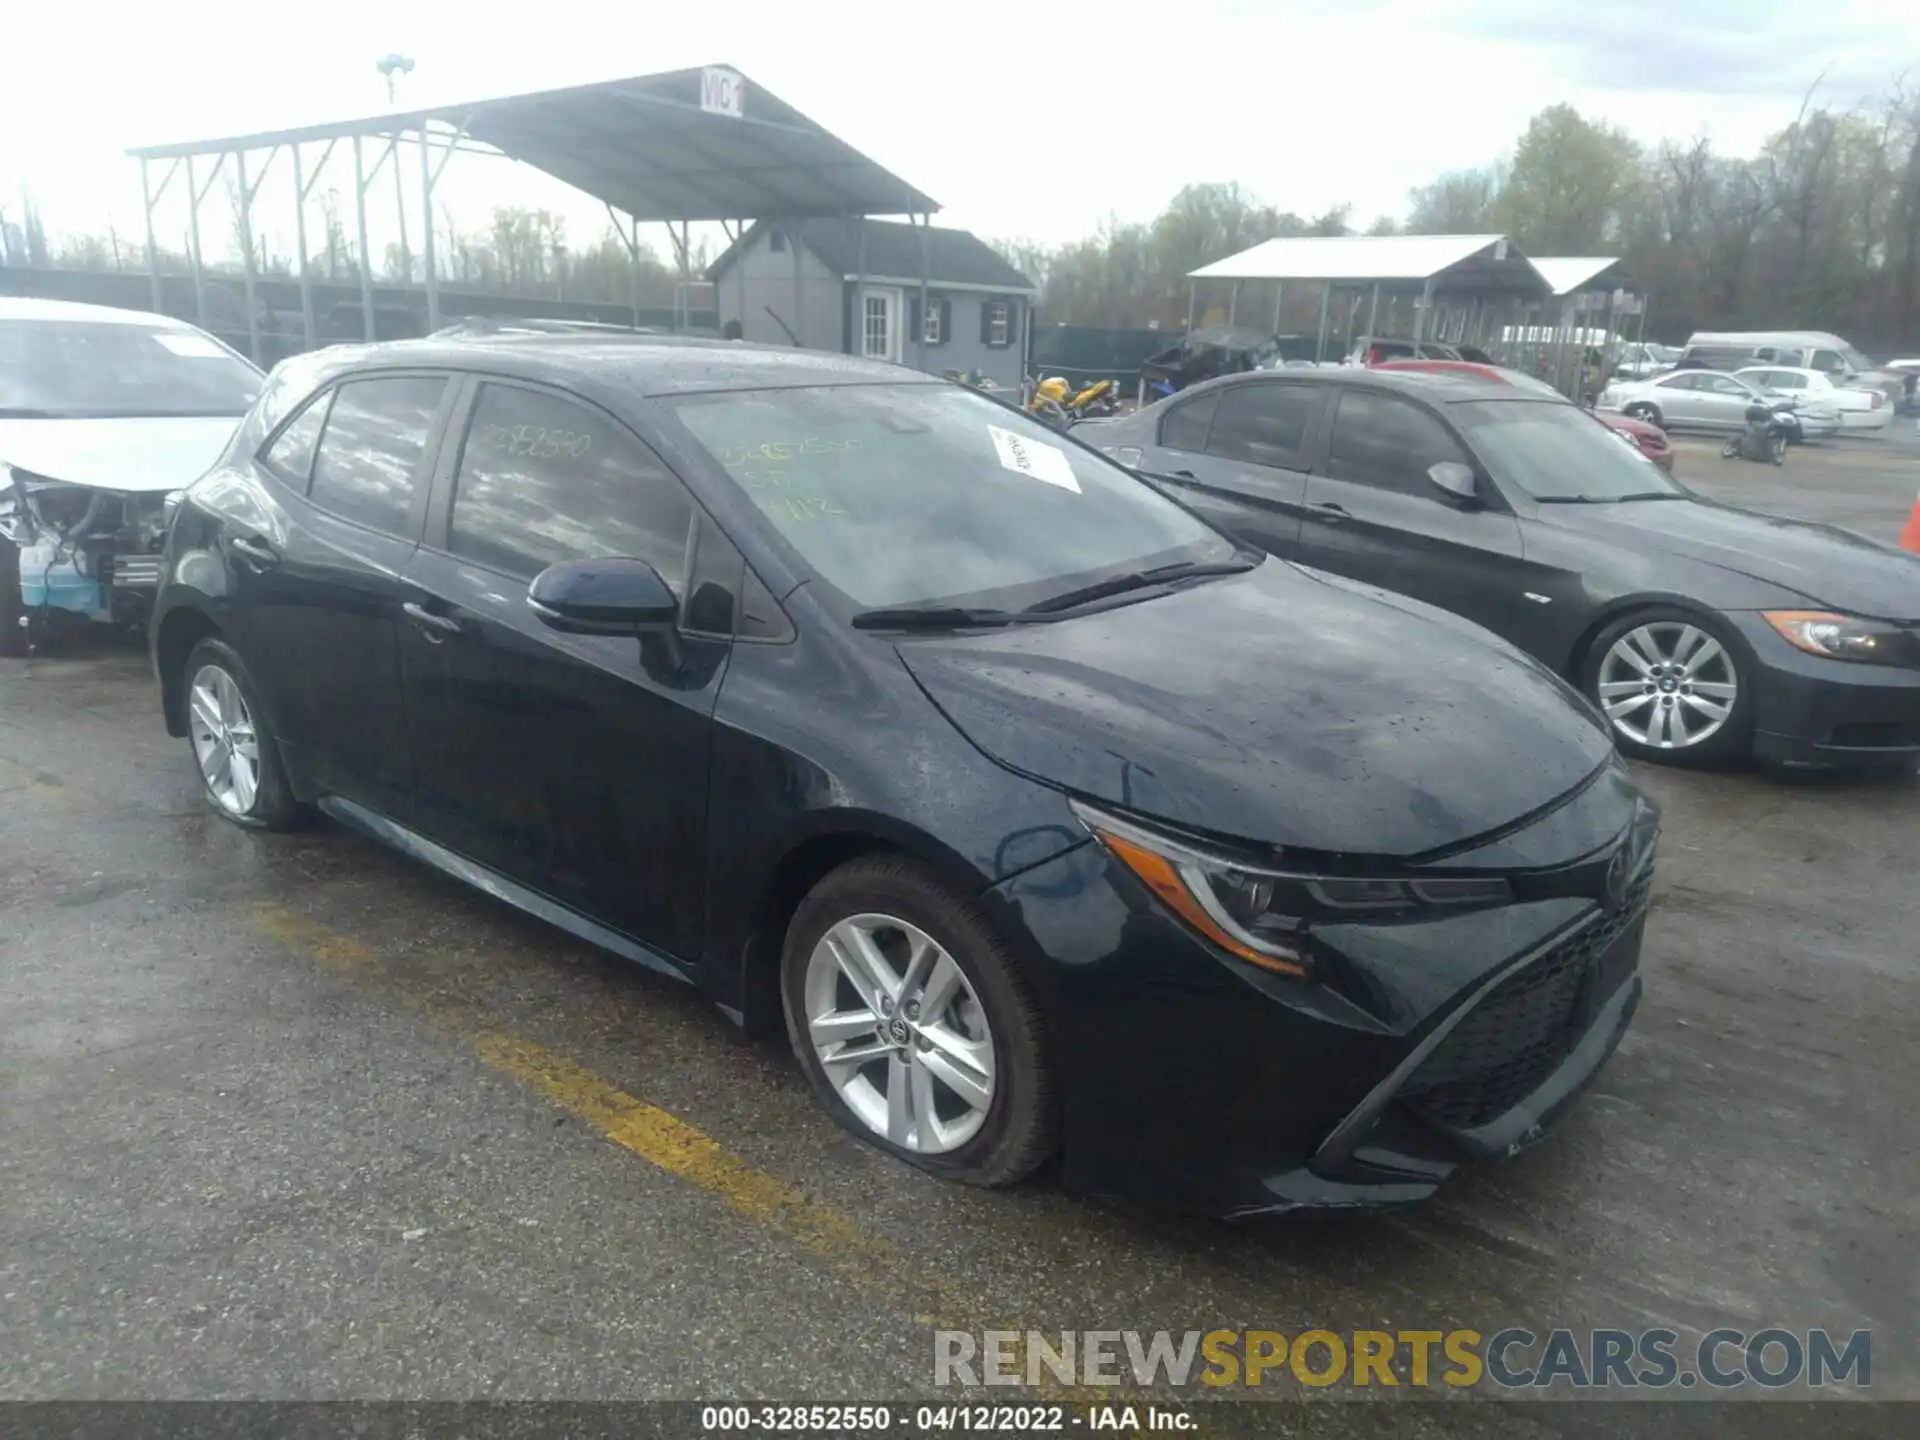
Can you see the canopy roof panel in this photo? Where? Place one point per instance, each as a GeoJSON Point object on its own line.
{"type": "Point", "coordinates": [1570, 274]}
{"type": "Point", "coordinates": [646, 147]}
{"type": "Point", "coordinates": [1478, 265]}
{"type": "Point", "coordinates": [1355, 257]}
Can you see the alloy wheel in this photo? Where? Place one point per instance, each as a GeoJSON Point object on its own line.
{"type": "Point", "coordinates": [224, 742]}
{"type": "Point", "coordinates": [1668, 685]}
{"type": "Point", "coordinates": [900, 1033]}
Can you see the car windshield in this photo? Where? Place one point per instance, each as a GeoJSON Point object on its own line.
{"type": "Point", "coordinates": [916, 494]}
{"type": "Point", "coordinates": [1558, 453]}
{"type": "Point", "coordinates": [91, 369]}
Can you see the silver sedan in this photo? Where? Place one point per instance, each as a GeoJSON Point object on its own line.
{"type": "Point", "coordinates": [1691, 400]}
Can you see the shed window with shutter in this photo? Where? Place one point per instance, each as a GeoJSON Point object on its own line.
{"type": "Point", "coordinates": [930, 332]}
{"type": "Point", "coordinates": [999, 323]}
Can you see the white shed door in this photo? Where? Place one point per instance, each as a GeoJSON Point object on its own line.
{"type": "Point", "coordinates": [880, 324]}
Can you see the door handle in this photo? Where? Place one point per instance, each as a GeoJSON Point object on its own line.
{"type": "Point", "coordinates": [255, 551]}
{"type": "Point", "coordinates": [1331, 511]}
{"type": "Point", "coordinates": [431, 625]}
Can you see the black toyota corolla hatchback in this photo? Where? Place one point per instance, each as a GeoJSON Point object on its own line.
{"type": "Point", "coordinates": [1044, 816]}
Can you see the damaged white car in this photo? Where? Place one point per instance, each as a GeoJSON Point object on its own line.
{"type": "Point", "coordinates": [104, 414]}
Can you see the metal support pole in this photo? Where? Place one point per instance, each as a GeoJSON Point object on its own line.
{"type": "Point", "coordinates": [366, 261]}
{"type": "Point", "coordinates": [1233, 303]}
{"type": "Point", "coordinates": [193, 245]}
{"type": "Point", "coordinates": [799, 322]}
{"type": "Point", "coordinates": [1193, 300]}
{"type": "Point", "coordinates": [400, 212]}
{"type": "Point", "coordinates": [246, 243]}
{"type": "Point", "coordinates": [1373, 313]}
{"type": "Point", "coordinates": [426, 234]}
{"type": "Point", "coordinates": [920, 335]}
{"type": "Point", "coordinates": [300, 248]}
{"type": "Point", "coordinates": [1320, 345]}
{"type": "Point", "coordinates": [857, 343]}
{"type": "Point", "coordinates": [153, 256]}
{"type": "Point", "coordinates": [1420, 313]}
{"type": "Point", "coordinates": [1279, 292]}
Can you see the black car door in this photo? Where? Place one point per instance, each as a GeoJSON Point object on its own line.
{"type": "Point", "coordinates": [1235, 454]}
{"type": "Point", "coordinates": [573, 764]}
{"type": "Point", "coordinates": [1375, 514]}
{"type": "Point", "coordinates": [317, 578]}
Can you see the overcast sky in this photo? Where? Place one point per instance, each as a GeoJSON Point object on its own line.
{"type": "Point", "coordinates": [1033, 121]}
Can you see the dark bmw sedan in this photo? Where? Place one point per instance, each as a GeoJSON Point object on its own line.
{"type": "Point", "coordinates": [1705, 632]}
{"type": "Point", "coordinates": [1043, 816]}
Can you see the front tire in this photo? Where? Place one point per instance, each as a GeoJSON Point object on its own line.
{"type": "Point", "coordinates": [234, 748]}
{"type": "Point", "coordinates": [1642, 411]}
{"type": "Point", "coordinates": [1675, 686]}
{"type": "Point", "coordinates": [916, 1026]}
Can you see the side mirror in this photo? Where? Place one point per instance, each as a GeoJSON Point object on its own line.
{"type": "Point", "coordinates": [602, 597]}
{"type": "Point", "coordinates": [1456, 482]}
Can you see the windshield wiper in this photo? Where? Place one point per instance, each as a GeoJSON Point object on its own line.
{"type": "Point", "coordinates": [931, 617]}
{"type": "Point", "coordinates": [1651, 495]}
{"type": "Point", "coordinates": [1138, 580]}
{"type": "Point", "coordinates": [1607, 499]}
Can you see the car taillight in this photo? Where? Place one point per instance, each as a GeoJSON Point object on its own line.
{"type": "Point", "coordinates": [1878, 400]}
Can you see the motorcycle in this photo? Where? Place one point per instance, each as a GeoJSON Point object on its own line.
{"type": "Point", "coordinates": [1060, 405]}
{"type": "Point", "coordinates": [1764, 439]}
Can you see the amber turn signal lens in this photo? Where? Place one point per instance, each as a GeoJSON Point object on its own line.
{"type": "Point", "coordinates": [1159, 876]}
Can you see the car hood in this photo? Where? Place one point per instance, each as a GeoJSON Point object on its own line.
{"type": "Point", "coordinates": [123, 453]}
{"type": "Point", "coordinates": [1825, 564]}
{"type": "Point", "coordinates": [1282, 706]}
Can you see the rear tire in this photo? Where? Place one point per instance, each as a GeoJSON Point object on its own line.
{"type": "Point", "coordinates": [234, 748]}
{"type": "Point", "coordinates": [1779, 449]}
{"type": "Point", "coordinates": [999, 1122]}
{"type": "Point", "coordinates": [1730, 450]}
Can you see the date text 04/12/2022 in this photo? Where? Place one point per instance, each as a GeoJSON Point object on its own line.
{"type": "Point", "coordinates": [943, 1419]}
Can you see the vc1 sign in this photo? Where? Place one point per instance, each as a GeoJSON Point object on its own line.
{"type": "Point", "coordinates": [722, 92]}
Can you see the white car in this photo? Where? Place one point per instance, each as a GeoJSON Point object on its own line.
{"type": "Point", "coordinates": [103, 413]}
{"type": "Point", "coordinates": [1853, 407]}
{"type": "Point", "coordinates": [1704, 400]}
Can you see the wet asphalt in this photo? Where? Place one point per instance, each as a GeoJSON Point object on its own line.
{"type": "Point", "coordinates": [292, 1117]}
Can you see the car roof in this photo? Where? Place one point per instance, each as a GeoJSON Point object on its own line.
{"type": "Point", "coordinates": [642, 364]}
{"type": "Point", "coordinates": [1444, 388]}
{"type": "Point", "coordinates": [26, 307]}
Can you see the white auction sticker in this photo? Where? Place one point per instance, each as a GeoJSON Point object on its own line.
{"type": "Point", "coordinates": [194, 347]}
{"type": "Point", "coordinates": [1033, 459]}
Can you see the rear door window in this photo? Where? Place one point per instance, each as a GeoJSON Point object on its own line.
{"type": "Point", "coordinates": [1262, 423]}
{"type": "Point", "coordinates": [367, 467]}
{"type": "Point", "coordinates": [1185, 427]}
{"type": "Point", "coordinates": [543, 479]}
{"type": "Point", "coordinates": [290, 456]}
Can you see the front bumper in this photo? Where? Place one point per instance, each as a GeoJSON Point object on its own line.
{"type": "Point", "coordinates": [1829, 713]}
{"type": "Point", "coordinates": [1192, 1080]}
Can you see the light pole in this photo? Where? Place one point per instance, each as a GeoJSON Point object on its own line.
{"type": "Point", "coordinates": [390, 66]}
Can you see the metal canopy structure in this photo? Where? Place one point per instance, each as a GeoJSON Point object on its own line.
{"type": "Point", "coordinates": [678, 147]}
{"type": "Point", "coordinates": [1452, 280]}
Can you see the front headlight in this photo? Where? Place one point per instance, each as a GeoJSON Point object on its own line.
{"type": "Point", "coordinates": [1262, 915]}
{"type": "Point", "coordinates": [1844, 637]}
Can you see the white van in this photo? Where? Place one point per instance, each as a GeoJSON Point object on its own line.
{"type": "Point", "coordinates": [1811, 349]}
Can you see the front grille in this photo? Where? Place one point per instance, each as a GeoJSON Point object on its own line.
{"type": "Point", "coordinates": [1507, 1045]}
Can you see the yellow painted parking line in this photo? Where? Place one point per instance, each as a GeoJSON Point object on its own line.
{"type": "Point", "coordinates": [842, 1244]}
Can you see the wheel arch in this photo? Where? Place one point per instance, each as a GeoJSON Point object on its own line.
{"type": "Point", "coordinates": [1581, 652]}
{"type": "Point", "coordinates": [183, 628]}
{"type": "Point", "coordinates": [807, 859]}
